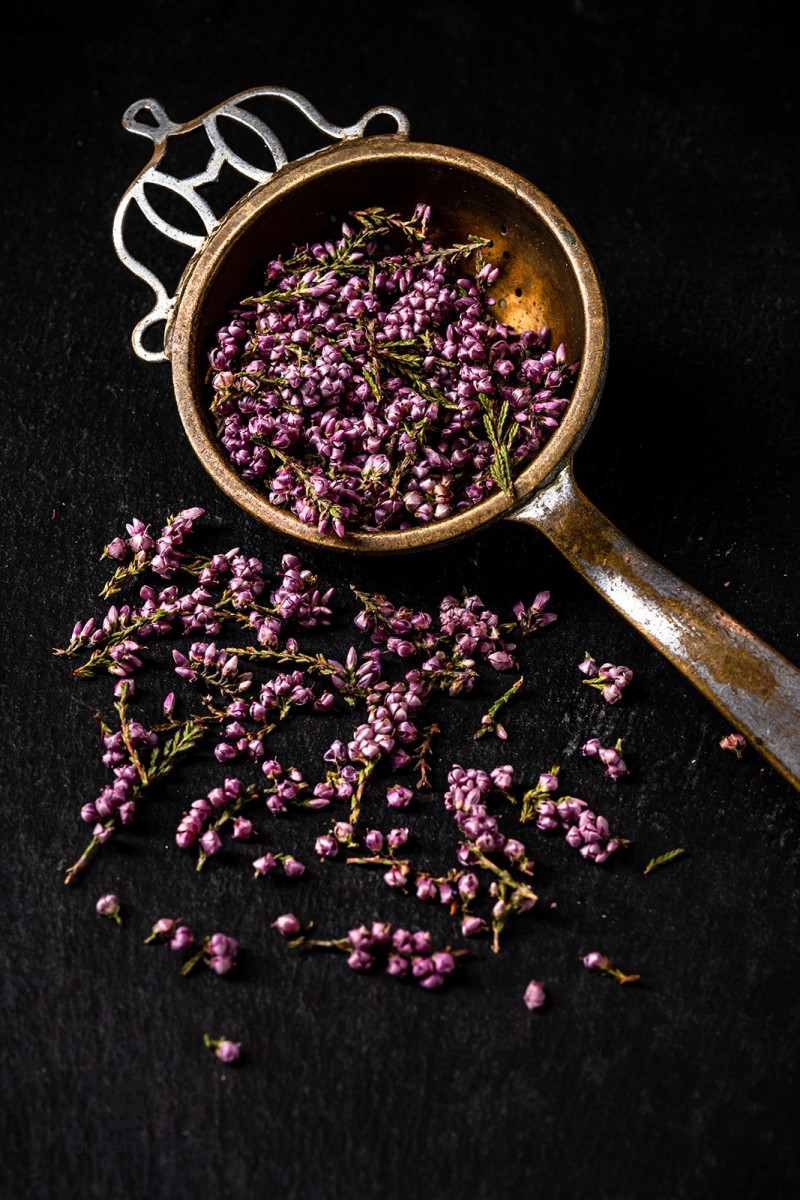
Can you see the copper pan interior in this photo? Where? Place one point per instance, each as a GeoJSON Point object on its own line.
{"type": "Point", "coordinates": [547, 278]}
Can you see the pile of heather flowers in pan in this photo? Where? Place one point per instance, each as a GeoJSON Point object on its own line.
{"type": "Point", "coordinates": [376, 390]}
{"type": "Point", "coordinates": [228, 633]}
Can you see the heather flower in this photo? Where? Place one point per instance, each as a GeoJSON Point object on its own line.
{"type": "Point", "coordinates": [182, 938]}
{"type": "Point", "coordinates": [609, 680]}
{"type": "Point", "coordinates": [292, 868]}
{"type": "Point", "coordinates": [398, 797]}
{"type": "Point", "coordinates": [326, 846]}
{"type": "Point", "coordinates": [108, 906]}
{"type": "Point", "coordinates": [734, 742]}
{"type": "Point", "coordinates": [373, 840]}
{"type": "Point", "coordinates": [287, 924]}
{"type": "Point", "coordinates": [267, 862]}
{"type": "Point", "coordinates": [610, 756]}
{"type": "Point", "coordinates": [226, 1051]}
{"type": "Point", "coordinates": [535, 995]}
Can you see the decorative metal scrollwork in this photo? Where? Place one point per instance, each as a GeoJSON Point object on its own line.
{"type": "Point", "coordinates": [159, 129]}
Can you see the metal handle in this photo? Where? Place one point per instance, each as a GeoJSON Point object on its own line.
{"type": "Point", "coordinates": [756, 688]}
{"type": "Point", "coordinates": [160, 129]}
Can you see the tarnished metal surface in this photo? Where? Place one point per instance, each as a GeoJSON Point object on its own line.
{"type": "Point", "coordinates": [159, 129]}
{"type": "Point", "coordinates": [756, 688]}
{"type": "Point", "coordinates": [548, 277]}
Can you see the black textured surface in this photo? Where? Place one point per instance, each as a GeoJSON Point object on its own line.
{"type": "Point", "coordinates": [665, 132]}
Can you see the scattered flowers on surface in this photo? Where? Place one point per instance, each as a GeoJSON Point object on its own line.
{"type": "Point", "coordinates": [241, 658]}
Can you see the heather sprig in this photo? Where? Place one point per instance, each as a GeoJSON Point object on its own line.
{"type": "Point", "coordinates": [600, 965]}
{"type": "Point", "coordinates": [608, 679]}
{"type": "Point", "coordinates": [399, 953]}
{"type": "Point", "coordinates": [489, 724]}
{"type": "Point", "coordinates": [217, 950]}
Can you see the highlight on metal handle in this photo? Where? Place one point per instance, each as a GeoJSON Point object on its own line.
{"type": "Point", "coordinates": [756, 688]}
{"type": "Point", "coordinates": [159, 129]}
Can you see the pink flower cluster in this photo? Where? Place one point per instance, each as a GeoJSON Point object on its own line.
{"type": "Point", "coordinates": [381, 392]}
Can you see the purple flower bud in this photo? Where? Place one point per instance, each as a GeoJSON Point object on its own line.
{"type": "Point", "coordinates": [210, 842]}
{"type": "Point", "coordinates": [220, 943]}
{"type": "Point", "coordinates": [326, 846]}
{"type": "Point", "coordinates": [398, 797]}
{"type": "Point", "coordinates": [468, 886]}
{"type": "Point", "coordinates": [472, 925]}
{"type": "Point", "coordinates": [182, 938]}
{"type": "Point", "coordinates": [221, 964]}
{"type": "Point", "coordinates": [426, 889]}
{"type": "Point", "coordinates": [503, 777]}
{"type": "Point", "coordinates": [266, 863]}
{"type": "Point", "coordinates": [108, 906]}
{"type": "Point", "coordinates": [287, 924]}
{"type": "Point", "coordinates": [594, 961]}
{"type": "Point", "coordinates": [293, 868]}
{"type": "Point", "coordinates": [374, 841]}
{"type": "Point", "coordinates": [534, 995]}
{"type": "Point", "coordinates": [395, 878]}
{"type": "Point", "coordinates": [228, 1052]}
{"type": "Point", "coordinates": [397, 966]}
{"type": "Point", "coordinates": [397, 837]}
{"type": "Point", "coordinates": [360, 960]}
{"type": "Point", "coordinates": [591, 748]}
{"type": "Point", "coordinates": [432, 981]}
{"type": "Point", "coordinates": [163, 928]}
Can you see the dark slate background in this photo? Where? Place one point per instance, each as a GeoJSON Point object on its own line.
{"type": "Point", "coordinates": [665, 132]}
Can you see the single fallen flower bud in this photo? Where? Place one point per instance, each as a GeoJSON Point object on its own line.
{"type": "Point", "coordinates": [535, 995]}
{"type": "Point", "coordinates": [326, 846]}
{"type": "Point", "coordinates": [734, 742]}
{"type": "Point", "coordinates": [108, 906]}
{"type": "Point", "coordinates": [597, 962]}
{"type": "Point", "coordinates": [398, 797]}
{"type": "Point", "coordinates": [182, 938]}
{"type": "Point", "coordinates": [287, 924]}
{"type": "Point", "coordinates": [267, 862]}
{"type": "Point", "coordinates": [225, 1050]}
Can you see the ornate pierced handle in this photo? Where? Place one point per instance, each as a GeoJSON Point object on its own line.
{"type": "Point", "coordinates": [161, 130]}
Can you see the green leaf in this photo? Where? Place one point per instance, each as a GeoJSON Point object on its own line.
{"type": "Point", "coordinates": [663, 859]}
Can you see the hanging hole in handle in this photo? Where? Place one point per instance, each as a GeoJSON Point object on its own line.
{"type": "Point", "coordinates": [147, 118]}
{"type": "Point", "coordinates": [149, 337]}
{"type": "Point", "coordinates": [517, 291]}
{"type": "Point", "coordinates": [380, 125]}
